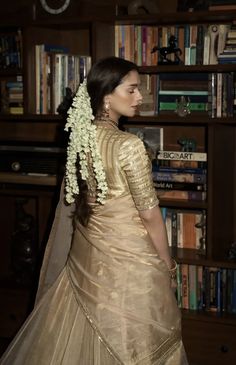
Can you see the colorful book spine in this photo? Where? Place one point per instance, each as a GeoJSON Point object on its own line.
{"type": "Point", "coordinates": [176, 185]}
{"type": "Point", "coordinates": [181, 195]}
{"type": "Point", "coordinates": [179, 177]}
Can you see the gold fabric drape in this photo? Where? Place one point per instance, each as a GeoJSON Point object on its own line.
{"type": "Point", "coordinates": [111, 302]}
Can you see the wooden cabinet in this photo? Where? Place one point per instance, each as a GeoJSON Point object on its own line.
{"type": "Point", "coordinates": [28, 202]}
{"type": "Point", "coordinates": [209, 342]}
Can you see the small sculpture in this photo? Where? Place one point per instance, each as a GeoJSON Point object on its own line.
{"type": "Point", "coordinates": [202, 240]}
{"type": "Point", "coordinates": [165, 51]}
{"type": "Point", "coordinates": [182, 106]}
{"type": "Point", "coordinates": [232, 252]}
{"type": "Point", "coordinates": [187, 144]}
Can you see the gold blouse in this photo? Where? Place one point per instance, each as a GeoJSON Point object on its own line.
{"type": "Point", "coordinates": [127, 167]}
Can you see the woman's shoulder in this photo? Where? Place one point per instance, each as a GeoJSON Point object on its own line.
{"type": "Point", "coordinates": [130, 139]}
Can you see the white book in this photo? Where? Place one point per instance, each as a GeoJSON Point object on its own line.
{"type": "Point", "coordinates": [37, 78]}
{"type": "Point", "coordinates": [223, 29]}
{"type": "Point", "coordinates": [182, 156]}
{"type": "Point", "coordinates": [206, 50]}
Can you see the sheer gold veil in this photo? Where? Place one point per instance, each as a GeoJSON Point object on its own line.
{"type": "Point", "coordinates": [58, 245]}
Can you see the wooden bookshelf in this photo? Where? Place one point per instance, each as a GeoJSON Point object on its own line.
{"type": "Point", "coordinates": [217, 137]}
{"type": "Point", "coordinates": [209, 337]}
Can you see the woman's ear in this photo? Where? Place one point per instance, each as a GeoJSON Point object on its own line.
{"type": "Point", "coordinates": [106, 100]}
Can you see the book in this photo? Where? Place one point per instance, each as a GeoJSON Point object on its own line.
{"type": "Point", "coordinates": [189, 232]}
{"type": "Point", "coordinates": [192, 99]}
{"type": "Point", "coordinates": [176, 185]}
{"type": "Point", "coordinates": [179, 177]}
{"type": "Point", "coordinates": [152, 138]}
{"type": "Point", "coordinates": [148, 91]}
{"type": "Point", "coordinates": [181, 195]}
{"type": "Point", "coordinates": [177, 170]}
{"type": "Point", "coordinates": [182, 155]}
{"type": "Point", "coordinates": [182, 159]}
{"type": "Point", "coordinates": [193, 303]}
{"type": "Point", "coordinates": [221, 7]}
{"type": "Point", "coordinates": [167, 106]}
{"type": "Point", "coordinates": [16, 110]}
{"type": "Point", "coordinates": [185, 286]}
{"type": "Point", "coordinates": [183, 92]}
{"type": "Point", "coordinates": [213, 274]}
{"type": "Point", "coordinates": [200, 44]}
{"type": "Point", "coordinates": [198, 85]}
{"type": "Point", "coordinates": [206, 48]}
{"type": "Point", "coordinates": [199, 287]}
{"type": "Point", "coordinates": [179, 286]}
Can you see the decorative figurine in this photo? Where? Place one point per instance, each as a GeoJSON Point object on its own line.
{"type": "Point", "coordinates": [165, 51]}
{"type": "Point", "coordinates": [232, 252]}
{"type": "Point", "coordinates": [182, 106]}
{"type": "Point", "coordinates": [187, 144]}
{"type": "Point", "coordinates": [202, 240]}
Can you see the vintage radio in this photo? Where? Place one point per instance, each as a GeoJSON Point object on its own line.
{"type": "Point", "coordinates": [27, 159]}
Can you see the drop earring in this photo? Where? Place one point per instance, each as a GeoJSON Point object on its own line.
{"type": "Point", "coordinates": [105, 111]}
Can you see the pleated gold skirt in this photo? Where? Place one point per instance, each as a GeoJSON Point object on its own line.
{"type": "Point", "coordinates": [111, 304]}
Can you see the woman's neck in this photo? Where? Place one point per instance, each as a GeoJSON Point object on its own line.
{"type": "Point", "coordinates": [106, 122]}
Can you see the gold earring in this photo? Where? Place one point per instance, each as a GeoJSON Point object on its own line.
{"type": "Point", "coordinates": [105, 112]}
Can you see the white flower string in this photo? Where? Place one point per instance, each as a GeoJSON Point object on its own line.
{"type": "Point", "coordinates": [83, 141]}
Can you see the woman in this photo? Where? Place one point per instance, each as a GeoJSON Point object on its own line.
{"type": "Point", "coordinates": [110, 301]}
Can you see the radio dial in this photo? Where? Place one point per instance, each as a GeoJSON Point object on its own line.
{"type": "Point", "coordinates": [15, 166]}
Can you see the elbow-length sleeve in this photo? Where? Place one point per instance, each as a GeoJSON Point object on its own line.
{"type": "Point", "coordinates": [137, 167]}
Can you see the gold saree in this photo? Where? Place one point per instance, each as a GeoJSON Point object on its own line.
{"type": "Point", "coordinates": [112, 302]}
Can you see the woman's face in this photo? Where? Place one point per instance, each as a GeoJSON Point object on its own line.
{"type": "Point", "coordinates": [126, 97]}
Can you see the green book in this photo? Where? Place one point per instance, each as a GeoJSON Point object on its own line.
{"type": "Point", "coordinates": [165, 105]}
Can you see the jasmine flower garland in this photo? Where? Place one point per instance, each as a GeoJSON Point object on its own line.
{"type": "Point", "coordinates": [83, 140]}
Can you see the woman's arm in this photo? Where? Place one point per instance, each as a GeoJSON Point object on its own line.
{"type": "Point", "coordinates": [155, 226]}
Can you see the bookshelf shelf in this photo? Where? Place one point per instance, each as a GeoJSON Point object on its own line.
{"type": "Point", "coordinates": [178, 18]}
{"type": "Point", "coordinates": [183, 204]}
{"type": "Point", "coordinates": [10, 72]}
{"type": "Point", "coordinates": [186, 68]}
{"type": "Point", "coordinates": [206, 316]}
{"type": "Point", "coordinates": [193, 257]}
{"type": "Point", "coordinates": [194, 118]}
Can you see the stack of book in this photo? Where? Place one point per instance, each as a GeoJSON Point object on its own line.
{"type": "Point", "coordinates": [185, 228]}
{"type": "Point", "coordinates": [181, 175]}
{"type": "Point", "coordinates": [135, 43]}
{"type": "Point", "coordinates": [57, 70]}
{"type": "Point", "coordinates": [221, 94]}
{"type": "Point", "coordinates": [194, 87]}
{"type": "Point", "coordinates": [198, 43]}
{"type": "Point", "coordinates": [148, 89]}
{"type": "Point", "coordinates": [15, 96]}
{"type": "Point", "coordinates": [11, 50]}
{"type": "Point", "coordinates": [229, 53]}
{"type": "Point", "coordinates": [222, 5]}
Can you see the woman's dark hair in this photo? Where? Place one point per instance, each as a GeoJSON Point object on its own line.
{"type": "Point", "coordinates": [102, 79]}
